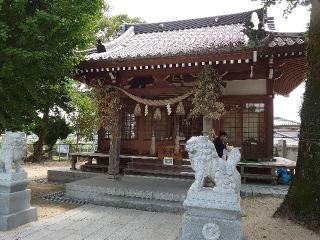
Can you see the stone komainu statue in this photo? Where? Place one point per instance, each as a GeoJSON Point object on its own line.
{"type": "Point", "coordinates": [207, 164]}
{"type": "Point", "coordinates": [13, 150]}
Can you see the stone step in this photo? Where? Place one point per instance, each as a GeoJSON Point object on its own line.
{"type": "Point", "coordinates": [142, 193]}
{"type": "Point", "coordinates": [143, 204]}
{"type": "Point", "coordinates": [154, 188]}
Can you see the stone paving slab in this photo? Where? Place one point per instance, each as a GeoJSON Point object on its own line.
{"type": "Point", "coordinates": [92, 222]}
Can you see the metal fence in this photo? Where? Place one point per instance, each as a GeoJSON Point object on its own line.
{"type": "Point", "coordinates": [61, 151]}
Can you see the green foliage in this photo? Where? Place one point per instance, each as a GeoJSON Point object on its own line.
{"type": "Point", "coordinates": [57, 128]}
{"type": "Point", "coordinates": [38, 48]}
{"type": "Point", "coordinates": [84, 114]}
{"type": "Point", "coordinates": [109, 27]}
{"type": "Point", "coordinates": [206, 94]}
{"type": "Point", "coordinates": [291, 4]}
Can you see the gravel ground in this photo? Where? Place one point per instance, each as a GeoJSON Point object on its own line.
{"type": "Point", "coordinates": [257, 221]}
{"type": "Point", "coordinates": [38, 173]}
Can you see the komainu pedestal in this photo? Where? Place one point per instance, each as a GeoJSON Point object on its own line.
{"type": "Point", "coordinates": [15, 209]}
{"type": "Point", "coordinates": [212, 206]}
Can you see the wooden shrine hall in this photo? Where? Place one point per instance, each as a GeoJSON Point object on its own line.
{"type": "Point", "coordinates": [155, 66]}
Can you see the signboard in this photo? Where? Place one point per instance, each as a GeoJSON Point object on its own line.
{"type": "Point", "coordinates": [168, 161]}
{"type": "Point", "coordinates": [63, 148]}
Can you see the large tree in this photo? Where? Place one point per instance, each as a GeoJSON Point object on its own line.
{"type": "Point", "coordinates": [84, 115]}
{"type": "Point", "coordinates": [39, 46]}
{"type": "Point", "coordinates": [302, 202]}
{"type": "Point", "coordinates": [82, 99]}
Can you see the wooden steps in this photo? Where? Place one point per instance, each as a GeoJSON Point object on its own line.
{"type": "Point", "coordinates": [155, 167]}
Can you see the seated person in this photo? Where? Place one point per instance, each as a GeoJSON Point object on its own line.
{"type": "Point", "coordinates": [220, 143]}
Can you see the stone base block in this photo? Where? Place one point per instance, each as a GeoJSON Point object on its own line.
{"type": "Point", "coordinates": [207, 228]}
{"type": "Point", "coordinates": [14, 202]}
{"type": "Point", "coordinates": [13, 182]}
{"type": "Point", "coordinates": [12, 177]}
{"type": "Point", "coordinates": [11, 187]}
{"type": "Point", "coordinates": [211, 214]}
{"type": "Point", "coordinates": [14, 220]}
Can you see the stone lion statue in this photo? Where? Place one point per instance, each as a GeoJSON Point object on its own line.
{"type": "Point", "coordinates": [12, 151]}
{"type": "Point", "coordinates": [207, 164]}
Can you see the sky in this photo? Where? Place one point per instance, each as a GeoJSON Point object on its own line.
{"type": "Point", "coordinates": [168, 10]}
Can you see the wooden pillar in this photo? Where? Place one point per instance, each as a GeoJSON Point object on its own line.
{"type": "Point", "coordinates": [269, 109]}
{"type": "Point", "coordinates": [115, 144]}
{"type": "Point", "coordinates": [269, 127]}
{"type": "Point", "coordinates": [141, 129]}
{"type": "Point", "coordinates": [101, 137]}
{"type": "Point", "coordinates": [206, 126]}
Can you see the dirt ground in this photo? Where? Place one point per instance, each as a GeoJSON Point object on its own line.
{"type": "Point", "coordinates": [257, 221]}
{"type": "Point", "coordinates": [45, 208]}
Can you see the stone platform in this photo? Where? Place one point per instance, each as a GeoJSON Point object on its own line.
{"type": "Point", "coordinates": [137, 192]}
{"type": "Point", "coordinates": [149, 193]}
{"type": "Point", "coordinates": [66, 175]}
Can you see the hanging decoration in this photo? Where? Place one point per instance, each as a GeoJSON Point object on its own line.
{"type": "Point", "coordinates": [180, 110]}
{"type": "Point", "coordinates": [157, 114]}
{"type": "Point", "coordinates": [137, 110]}
{"type": "Point", "coordinates": [155, 103]}
{"type": "Point", "coordinates": [207, 91]}
{"type": "Point", "coordinates": [107, 100]}
{"type": "Point", "coordinates": [169, 109]}
{"type": "Point", "coordinates": [153, 145]}
{"type": "Point", "coordinates": [146, 110]}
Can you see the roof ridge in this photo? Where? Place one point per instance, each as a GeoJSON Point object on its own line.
{"type": "Point", "coordinates": [218, 20]}
{"type": "Point", "coordinates": [286, 120]}
{"type": "Point", "coordinates": [181, 20]}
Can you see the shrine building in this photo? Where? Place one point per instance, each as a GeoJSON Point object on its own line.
{"type": "Point", "coordinates": [155, 66]}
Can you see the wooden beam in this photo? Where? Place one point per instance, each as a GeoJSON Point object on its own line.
{"type": "Point", "coordinates": [235, 72]}
{"type": "Point", "coordinates": [158, 92]}
{"type": "Point", "coordinates": [103, 63]}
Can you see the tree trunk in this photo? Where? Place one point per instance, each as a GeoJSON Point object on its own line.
{"type": "Point", "coordinates": [115, 144]}
{"type": "Point", "coordinates": [50, 156]}
{"type": "Point", "coordinates": [303, 200]}
{"type": "Point", "coordinates": [38, 152]}
{"type": "Point", "coordinates": [77, 142]}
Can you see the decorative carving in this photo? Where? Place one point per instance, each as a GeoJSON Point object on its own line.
{"type": "Point", "coordinates": [12, 151]}
{"type": "Point", "coordinates": [180, 111]}
{"type": "Point", "coordinates": [211, 231]}
{"type": "Point", "coordinates": [137, 110]}
{"type": "Point", "coordinates": [256, 37]}
{"type": "Point", "coordinates": [206, 164]}
{"type": "Point", "coordinates": [157, 114]}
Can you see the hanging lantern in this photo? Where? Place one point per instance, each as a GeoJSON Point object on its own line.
{"type": "Point", "coordinates": [146, 110]}
{"type": "Point", "coordinates": [137, 110]}
{"type": "Point", "coordinates": [169, 109]}
{"type": "Point", "coordinates": [180, 109]}
{"type": "Point", "coordinates": [157, 114]}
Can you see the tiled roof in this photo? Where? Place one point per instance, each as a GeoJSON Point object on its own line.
{"type": "Point", "coordinates": [290, 140]}
{"type": "Point", "coordinates": [282, 39]}
{"type": "Point", "coordinates": [170, 43]}
{"type": "Point", "coordinates": [231, 19]}
{"type": "Point", "coordinates": [194, 36]}
{"type": "Point", "coordinates": [279, 121]}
